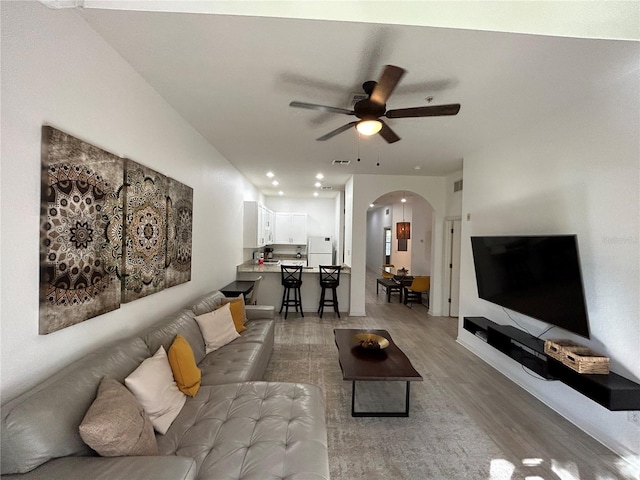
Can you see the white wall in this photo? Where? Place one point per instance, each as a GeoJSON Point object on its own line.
{"type": "Point", "coordinates": [339, 227]}
{"type": "Point", "coordinates": [360, 192]}
{"type": "Point", "coordinates": [574, 172]}
{"type": "Point", "coordinates": [377, 220]}
{"type": "Point", "coordinates": [421, 236]}
{"type": "Point", "coordinates": [417, 258]}
{"type": "Point", "coordinates": [454, 199]}
{"type": "Point", "coordinates": [56, 70]}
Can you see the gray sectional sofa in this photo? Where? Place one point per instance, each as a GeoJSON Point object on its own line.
{"type": "Point", "coordinates": [236, 427]}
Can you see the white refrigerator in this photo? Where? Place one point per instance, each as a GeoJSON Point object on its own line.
{"type": "Point", "coordinates": [319, 251]}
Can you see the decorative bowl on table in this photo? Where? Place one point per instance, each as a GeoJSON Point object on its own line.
{"type": "Point", "coordinates": [370, 341]}
{"type": "Point", "coordinates": [402, 272]}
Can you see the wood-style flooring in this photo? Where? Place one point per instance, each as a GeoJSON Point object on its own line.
{"type": "Point", "coordinates": [529, 436]}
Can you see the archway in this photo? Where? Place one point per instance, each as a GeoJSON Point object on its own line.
{"type": "Point", "coordinates": [383, 246]}
{"type": "Point", "coordinates": [360, 192]}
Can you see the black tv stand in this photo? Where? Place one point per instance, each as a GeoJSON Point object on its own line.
{"type": "Point", "coordinates": [612, 391]}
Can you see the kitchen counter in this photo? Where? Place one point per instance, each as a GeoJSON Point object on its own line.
{"type": "Point", "coordinates": [268, 267]}
{"type": "Point", "coordinates": [270, 290]}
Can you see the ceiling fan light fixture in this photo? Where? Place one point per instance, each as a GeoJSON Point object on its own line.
{"type": "Point", "coordinates": [369, 127]}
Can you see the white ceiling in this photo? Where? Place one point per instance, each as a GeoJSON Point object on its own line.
{"type": "Point", "coordinates": [232, 78]}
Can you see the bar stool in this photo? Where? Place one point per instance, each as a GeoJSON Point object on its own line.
{"type": "Point", "coordinates": [329, 278]}
{"type": "Point", "coordinates": [291, 280]}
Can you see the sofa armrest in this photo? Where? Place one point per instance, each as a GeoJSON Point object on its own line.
{"type": "Point", "coordinates": [109, 468]}
{"type": "Point", "coordinates": [255, 312]}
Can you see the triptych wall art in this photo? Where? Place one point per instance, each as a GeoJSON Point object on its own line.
{"type": "Point", "coordinates": [112, 231]}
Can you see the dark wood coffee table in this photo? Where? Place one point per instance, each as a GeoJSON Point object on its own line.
{"type": "Point", "coordinates": [358, 364]}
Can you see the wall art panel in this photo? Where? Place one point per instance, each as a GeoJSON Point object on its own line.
{"type": "Point", "coordinates": [80, 231]}
{"type": "Point", "coordinates": [179, 228]}
{"type": "Point", "coordinates": [145, 233]}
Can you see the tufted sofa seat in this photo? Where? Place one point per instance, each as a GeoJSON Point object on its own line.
{"type": "Point", "coordinates": [253, 430]}
{"type": "Point", "coordinates": [236, 427]}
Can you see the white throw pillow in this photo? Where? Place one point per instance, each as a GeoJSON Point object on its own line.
{"type": "Point", "coordinates": [155, 389]}
{"type": "Point", "coordinates": [217, 328]}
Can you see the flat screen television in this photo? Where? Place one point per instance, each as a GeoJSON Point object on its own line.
{"type": "Point", "coordinates": [538, 276]}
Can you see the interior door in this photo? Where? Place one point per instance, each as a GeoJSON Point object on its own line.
{"type": "Point", "coordinates": [453, 271]}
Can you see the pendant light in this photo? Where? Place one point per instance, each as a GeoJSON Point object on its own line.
{"type": "Point", "coordinates": [403, 229]}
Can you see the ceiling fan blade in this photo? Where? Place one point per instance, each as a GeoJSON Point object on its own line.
{"type": "Point", "coordinates": [431, 111]}
{"type": "Point", "coordinates": [388, 134]}
{"type": "Point", "coordinates": [335, 132]}
{"type": "Point", "coordinates": [388, 81]}
{"type": "Point", "coordinates": [322, 108]}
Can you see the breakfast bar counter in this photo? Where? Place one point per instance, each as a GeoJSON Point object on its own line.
{"type": "Point", "coordinates": [270, 290]}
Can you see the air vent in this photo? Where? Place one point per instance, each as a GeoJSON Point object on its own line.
{"type": "Point", "coordinates": [326, 188]}
{"type": "Point", "coordinates": [356, 97]}
{"type": "Point", "coordinates": [457, 186]}
{"type": "Point", "coordinates": [341, 162]}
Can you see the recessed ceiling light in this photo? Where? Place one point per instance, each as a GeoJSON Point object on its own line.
{"type": "Point", "coordinates": [319, 176]}
{"type": "Point", "coordinates": [271, 174]}
{"type": "Point", "coordinates": [404, 200]}
{"type": "Point", "coordinates": [275, 183]}
{"type": "Point", "coordinates": [417, 167]}
{"type": "Point", "coordinates": [315, 194]}
{"type": "Point", "coordinates": [280, 192]}
{"type": "Point", "coordinates": [317, 184]}
{"type": "Point", "coordinates": [371, 205]}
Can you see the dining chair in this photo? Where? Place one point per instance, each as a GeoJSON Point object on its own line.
{"type": "Point", "coordinates": [252, 298]}
{"type": "Point", "coordinates": [413, 293]}
{"type": "Point", "coordinates": [387, 270]}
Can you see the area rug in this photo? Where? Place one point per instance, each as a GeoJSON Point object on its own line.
{"type": "Point", "coordinates": [437, 441]}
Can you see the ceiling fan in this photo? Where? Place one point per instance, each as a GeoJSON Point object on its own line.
{"type": "Point", "coordinates": [370, 109]}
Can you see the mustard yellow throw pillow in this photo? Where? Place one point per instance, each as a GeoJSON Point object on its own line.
{"type": "Point", "coordinates": [238, 312]}
{"type": "Point", "coordinates": [183, 365]}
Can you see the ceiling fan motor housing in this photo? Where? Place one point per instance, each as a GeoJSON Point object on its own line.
{"type": "Point", "coordinates": [368, 110]}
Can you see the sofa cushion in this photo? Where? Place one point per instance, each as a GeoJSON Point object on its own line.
{"type": "Point", "coordinates": [258, 331]}
{"type": "Point", "coordinates": [116, 425]}
{"type": "Point", "coordinates": [231, 364]}
{"type": "Point", "coordinates": [244, 359]}
{"type": "Point", "coordinates": [183, 365]}
{"type": "Point", "coordinates": [153, 386]}
{"type": "Point", "coordinates": [217, 328]}
{"type": "Point", "coordinates": [252, 430]}
{"type": "Point", "coordinates": [44, 423]}
{"type": "Point", "coordinates": [163, 332]}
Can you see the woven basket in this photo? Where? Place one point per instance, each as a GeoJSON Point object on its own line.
{"type": "Point", "coordinates": [586, 362]}
{"type": "Point", "coordinates": [577, 357]}
{"type": "Point", "coordinates": [557, 348]}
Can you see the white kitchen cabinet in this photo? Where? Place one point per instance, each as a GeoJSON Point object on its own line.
{"type": "Point", "coordinates": [257, 225]}
{"type": "Point", "coordinates": [290, 228]}
{"type": "Point", "coordinates": [268, 226]}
